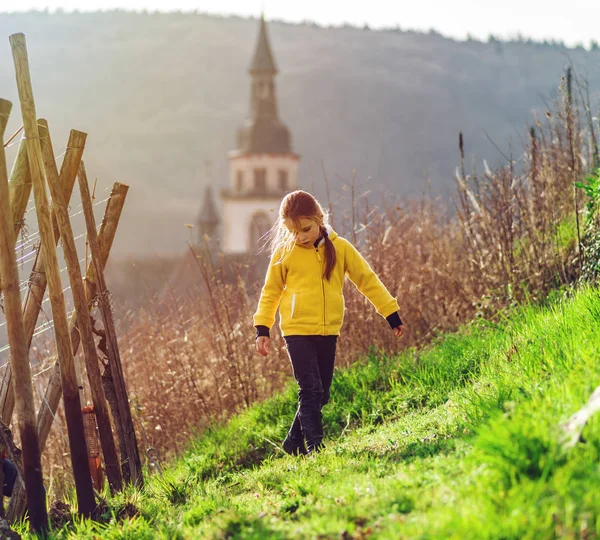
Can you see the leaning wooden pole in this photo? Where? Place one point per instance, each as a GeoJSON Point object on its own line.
{"type": "Point", "coordinates": [19, 357]}
{"type": "Point", "coordinates": [37, 280]}
{"type": "Point", "coordinates": [84, 325]}
{"type": "Point", "coordinates": [79, 460]}
{"type": "Point", "coordinates": [51, 399]}
{"type": "Point", "coordinates": [19, 188]}
{"type": "Point", "coordinates": [106, 236]}
{"type": "Point", "coordinates": [114, 360]}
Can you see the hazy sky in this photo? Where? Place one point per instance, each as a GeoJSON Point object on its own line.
{"type": "Point", "coordinates": [575, 21]}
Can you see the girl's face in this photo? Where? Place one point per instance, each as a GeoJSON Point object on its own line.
{"type": "Point", "coordinates": [308, 232]}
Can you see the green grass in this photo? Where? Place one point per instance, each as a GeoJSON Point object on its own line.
{"type": "Point", "coordinates": [460, 440]}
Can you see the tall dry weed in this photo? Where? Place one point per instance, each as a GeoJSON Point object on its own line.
{"type": "Point", "coordinates": [513, 235]}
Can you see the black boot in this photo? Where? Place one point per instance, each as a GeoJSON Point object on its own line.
{"type": "Point", "coordinates": [294, 441]}
{"type": "Point", "coordinates": [312, 427]}
{"type": "Point", "coordinates": [314, 449]}
{"type": "Point", "coordinates": [293, 447]}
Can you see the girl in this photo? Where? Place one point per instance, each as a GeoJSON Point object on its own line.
{"type": "Point", "coordinates": [309, 262]}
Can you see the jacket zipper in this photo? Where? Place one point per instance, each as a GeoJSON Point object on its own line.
{"type": "Point", "coordinates": [322, 288]}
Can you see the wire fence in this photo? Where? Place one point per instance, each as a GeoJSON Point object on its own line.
{"type": "Point", "coordinates": [27, 248]}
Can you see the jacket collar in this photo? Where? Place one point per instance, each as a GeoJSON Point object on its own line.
{"type": "Point", "coordinates": [330, 232]}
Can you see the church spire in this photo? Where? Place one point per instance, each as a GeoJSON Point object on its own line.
{"type": "Point", "coordinates": [208, 220]}
{"type": "Point", "coordinates": [263, 62]}
{"type": "Point", "coordinates": [263, 167]}
{"type": "Point", "coordinates": [263, 131]}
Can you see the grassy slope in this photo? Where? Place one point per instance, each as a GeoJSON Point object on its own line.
{"type": "Point", "coordinates": [459, 440]}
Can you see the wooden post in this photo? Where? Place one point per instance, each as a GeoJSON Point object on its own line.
{"type": "Point", "coordinates": [19, 187]}
{"type": "Point", "coordinates": [59, 206]}
{"type": "Point", "coordinates": [37, 280]}
{"type": "Point", "coordinates": [51, 400]}
{"type": "Point", "coordinates": [19, 357]}
{"type": "Point", "coordinates": [109, 392]}
{"type": "Point", "coordinates": [82, 315]}
{"type": "Point", "coordinates": [114, 360]}
{"type": "Point", "coordinates": [107, 234]}
{"type": "Point", "coordinates": [83, 481]}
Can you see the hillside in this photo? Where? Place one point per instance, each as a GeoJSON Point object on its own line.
{"type": "Point", "coordinates": [462, 439]}
{"type": "Point", "coordinates": [160, 94]}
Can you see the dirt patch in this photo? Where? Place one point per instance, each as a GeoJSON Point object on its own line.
{"type": "Point", "coordinates": [59, 514]}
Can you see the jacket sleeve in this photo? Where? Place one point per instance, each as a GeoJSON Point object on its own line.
{"type": "Point", "coordinates": [271, 293]}
{"type": "Point", "coordinates": [367, 282]}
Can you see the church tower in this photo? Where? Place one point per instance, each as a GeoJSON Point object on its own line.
{"type": "Point", "coordinates": [208, 224]}
{"type": "Point", "coordinates": [263, 168]}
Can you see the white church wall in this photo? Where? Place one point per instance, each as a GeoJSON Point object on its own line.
{"type": "Point", "coordinates": [237, 216]}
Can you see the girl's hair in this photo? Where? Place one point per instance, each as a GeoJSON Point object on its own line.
{"type": "Point", "coordinates": [294, 206]}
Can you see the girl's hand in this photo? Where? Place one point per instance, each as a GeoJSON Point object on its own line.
{"type": "Point", "coordinates": [263, 345]}
{"type": "Point", "coordinates": [398, 331]}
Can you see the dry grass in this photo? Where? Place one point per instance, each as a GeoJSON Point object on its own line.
{"type": "Point", "coordinates": [513, 235]}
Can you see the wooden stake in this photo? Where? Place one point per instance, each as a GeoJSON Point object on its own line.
{"type": "Point", "coordinates": [37, 279]}
{"type": "Point", "coordinates": [82, 315]}
{"type": "Point", "coordinates": [59, 211]}
{"type": "Point", "coordinates": [111, 396]}
{"type": "Point", "coordinates": [87, 243]}
{"type": "Point", "coordinates": [83, 481]}
{"type": "Point", "coordinates": [19, 188]}
{"type": "Point", "coordinates": [19, 357]}
{"type": "Point", "coordinates": [114, 360]}
{"type": "Point", "coordinates": [106, 236]}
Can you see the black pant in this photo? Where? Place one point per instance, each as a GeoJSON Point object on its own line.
{"type": "Point", "coordinates": [312, 359]}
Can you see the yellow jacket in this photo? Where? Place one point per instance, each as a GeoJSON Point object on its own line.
{"type": "Point", "coordinates": [308, 303]}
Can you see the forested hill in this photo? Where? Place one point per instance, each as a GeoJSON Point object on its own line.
{"type": "Point", "coordinates": [159, 94]}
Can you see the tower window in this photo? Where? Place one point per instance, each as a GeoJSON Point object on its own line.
{"type": "Point", "coordinates": [260, 179]}
{"type": "Point", "coordinates": [240, 180]}
{"type": "Point", "coordinates": [283, 179]}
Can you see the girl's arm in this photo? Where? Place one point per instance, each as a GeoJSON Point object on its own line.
{"type": "Point", "coordinates": [271, 293]}
{"type": "Point", "coordinates": [368, 283]}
